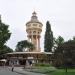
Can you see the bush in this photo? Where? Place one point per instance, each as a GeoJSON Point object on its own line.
{"type": "Point", "coordinates": [42, 65]}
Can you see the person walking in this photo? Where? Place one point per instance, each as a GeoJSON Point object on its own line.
{"type": "Point", "coordinates": [12, 67]}
{"type": "Point", "coordinates": [30, 63]}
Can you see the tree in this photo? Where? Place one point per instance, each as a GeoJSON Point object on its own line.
{"type": "Point", "coordinates": [48, 40]}
{"type": "Point", "coordinates": [4, 36]}
{"type": "Point", "coordinates": [22, 45]}
{"type": "Point", "coordinates": [5, 50]}
{"type": "Point", "coordinates": [58, 41]}
{"type": "Point", "coordinates": [65, 54]}
{"type": "Point", "coordinates": [31, 46]}
{"type": "Point", "coordinates": [74, 38]}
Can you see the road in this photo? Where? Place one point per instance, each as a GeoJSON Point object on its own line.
{"type": "Point", "coordinates": [6, 71]}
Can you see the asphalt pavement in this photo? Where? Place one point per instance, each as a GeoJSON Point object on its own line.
{"type": "Point", "coordinates": [21, 71]}
{"type": "Point", "coordinates": [6, 71]}
{"type": "Point", "coordinates": [17, 71]}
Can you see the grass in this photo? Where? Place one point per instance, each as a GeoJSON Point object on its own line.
{"type": "Point", "coordinates": [42, 68]}
{"type": "Point", "coordinates": [50, 70]}
{"type": "Point", "coordinates": [42, 65]}
{"type": "Point", "coordinates": [62, 72]}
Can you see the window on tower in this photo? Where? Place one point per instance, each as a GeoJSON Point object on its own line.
{"type": "Point", "coordinates": [34, 24]}
{"type": "Point", "coordinates": [28, 25]}
{"type": "Point", "coordinates": [34, 31]}
{"type": "Point", "coordinates": [30, 32]}
{"type": "Point", "coordinates": [40, 26]}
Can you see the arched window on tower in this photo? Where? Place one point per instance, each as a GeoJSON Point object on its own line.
{"type": "Point", "coordinates": [34, 31]}
{"type": "Point", "coordinates": [28, 25]}
{"type": "Point", "coordinates": [40, 26]}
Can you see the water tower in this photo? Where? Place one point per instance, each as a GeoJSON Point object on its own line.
{"type": "Point", "coordinates": [34, 29]}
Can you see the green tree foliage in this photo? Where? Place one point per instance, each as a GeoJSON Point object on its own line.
{"type": "Point", "coordinates": [58, 41]}
{"type": "Point", "coordinates": [48, 40]}
{"type": "Point", "coordinates": [5, 50]}
{"type": "Point", "coordinates": [74, 38]}
{"type": "Point", "coordinates": [23, 45]}
{"type": "Point", "coordinates": [65, 54]}
{"type": "Point", "coordinates": [4, 36]}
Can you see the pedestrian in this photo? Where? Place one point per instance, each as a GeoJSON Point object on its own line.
{"type": "Point", "coordinates": [12, 67]}
{"type": "Point", "coordinates": [30, 63]}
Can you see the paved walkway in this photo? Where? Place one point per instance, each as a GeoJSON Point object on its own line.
{"type": "Point", "coordinates": [6, 71]}
{"type": "Point", "coordinates": [21, 71]}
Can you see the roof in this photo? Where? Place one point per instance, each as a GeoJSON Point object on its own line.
{"type": "Point", "coordinates": [34, 19]}
{"type": "Point", "coordinates": [30, 53]}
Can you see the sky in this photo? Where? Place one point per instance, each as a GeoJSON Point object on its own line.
{"type": "Point", "coordinates": [60, 14]}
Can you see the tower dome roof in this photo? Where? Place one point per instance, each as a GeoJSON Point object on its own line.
{"type": "Point", "coordinates": [34, 18]}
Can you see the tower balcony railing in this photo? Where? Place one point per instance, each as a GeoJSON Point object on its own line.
{"type": "Point", "coordinates": [32, 27]}
{"type": "Point", "coordinates": [33, 34]}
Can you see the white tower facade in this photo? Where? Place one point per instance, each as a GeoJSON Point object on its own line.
{"type": "Point", "coordinates": [34, 29]}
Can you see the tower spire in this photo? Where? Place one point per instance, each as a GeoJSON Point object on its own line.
{"type": "Point", "coordinates": [34, 13]}
{"type": "Point", "coordinates": [34, 17]}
